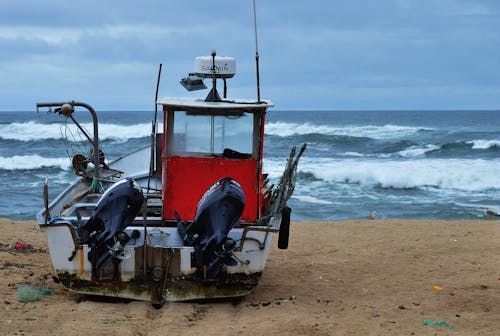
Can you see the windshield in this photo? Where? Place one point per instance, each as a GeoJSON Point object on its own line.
{"type": "Point", "coordinates": [212, 134]}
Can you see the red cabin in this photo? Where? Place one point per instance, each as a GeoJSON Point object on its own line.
{"type": "Point", "coordinates": [206, 141]}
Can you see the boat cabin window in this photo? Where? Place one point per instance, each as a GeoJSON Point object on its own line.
{"type": "Point", "coordinates": [212, 134]}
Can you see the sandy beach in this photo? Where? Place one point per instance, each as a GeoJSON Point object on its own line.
{"type": "Point", "coordinates": [336, 278]}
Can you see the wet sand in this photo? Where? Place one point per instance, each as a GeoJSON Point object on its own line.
{"type": "Point", "coordinates": [337, 278]}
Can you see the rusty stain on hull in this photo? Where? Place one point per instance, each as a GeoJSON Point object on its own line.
{"type": "Point", "coordinates": [176, 288]}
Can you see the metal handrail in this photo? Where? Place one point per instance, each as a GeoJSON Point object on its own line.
{"type": "Point", "coordinates": [95, 141]}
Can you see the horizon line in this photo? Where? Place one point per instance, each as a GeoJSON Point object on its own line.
{"type": "Point", "coordinates": [313, 110]}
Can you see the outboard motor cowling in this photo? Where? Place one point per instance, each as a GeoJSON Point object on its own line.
{"type": "Point", "coordinates": [116, 210]}
{"type": "Point", "coordinates": [218, 211]}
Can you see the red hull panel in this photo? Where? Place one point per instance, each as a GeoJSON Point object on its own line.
{"type": "Point", "coordinates": [189, 178]}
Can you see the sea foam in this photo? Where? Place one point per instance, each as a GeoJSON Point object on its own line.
{"type": "Point", "coordinates": [416, 151]}
{"type": "Point", "coordinates": [310, 199]}
{"type": "Point", "coordinates": [484, 144]}
{"type": "Point", "coordinates": [19, 162]}
{"type": "Point", "coordinates": [33, 131]}
{"type": "Point", "coordinates": [410, 152]}
{"type": "Point", "coordinates": [285, 129]}
{"type": "Point", "coordinates": [440, 174]}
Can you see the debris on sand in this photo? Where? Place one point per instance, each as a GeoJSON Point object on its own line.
{"type": "Point", "coordinates": [30, 293]}
{"type": "Point", "coordinates": [20, 247]}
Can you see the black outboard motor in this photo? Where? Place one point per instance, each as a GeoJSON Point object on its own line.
{"type": "Point", "coordinates": [218, 211]}
{"type": "Point", "coordinates": [116, 209]}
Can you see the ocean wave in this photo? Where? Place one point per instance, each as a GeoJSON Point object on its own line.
{"type": "Point", "coordinates": [490, 206]}
{"type": "Point", "coordinates": [307, 176]}
{"type": "Point", "coordinates": [33, 131]}
{"type": "Point", "coordinates": [355, 154]}
{"type": "Point", "coordinates": [369, 155]}
{"type": "Point", "coordinates": [484, 144]}
{"type": "Point", "coordinates": [286, 129]}
{"type": "Point", "coordinates": [417, 151]}
{"type": "Point", "coordinates": [310, 199]}
{"type": "Point", "coordinates": [31, 162]}
{"type": "Point", "coordinates": [459, 147]}
{"type": "Point", "coordinates": [438, 174]}
{"type": "Point", "coordinates": [409, 152]}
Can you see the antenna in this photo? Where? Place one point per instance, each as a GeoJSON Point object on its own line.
{"type": "Point", "coordinates": [214, 80]}
{"type": "Point", "coordinates": [256, 51]}
{"type": "Point", "coordinates": [152, 162]}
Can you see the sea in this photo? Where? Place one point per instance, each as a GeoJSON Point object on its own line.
{"type": "Point", "coordinates": [399, 164]}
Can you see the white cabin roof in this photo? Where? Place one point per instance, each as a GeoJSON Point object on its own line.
{"type": "Point", "coordinates": [193, 103]}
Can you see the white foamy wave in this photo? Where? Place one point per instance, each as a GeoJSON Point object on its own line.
{"type": "Point", "coordinates": [367, 155]}
{"type": "Point", "coordinates": [484, 144]}
{"type": "Point", "coordinates": [416, 151]}
{"type": "Point", "coordinates": [375, 132]}
{"type": "Point", "coordinates": [410, 152]}
{"type": "Point", "coordinates": [33, 131]}
{"type": "Point", "coordinates": [440, 174]}
{"type": "Point", "coordinates": [355, 154]}
{"type": "Point", "coordinates": [18, 162]}
{"type": "Point", "coordinates": [310, 199]}
{"type": "Point", "coordinates": [480, 207]}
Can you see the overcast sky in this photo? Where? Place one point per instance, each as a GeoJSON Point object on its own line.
{"type": "Point", "coordinates": [315, 54]}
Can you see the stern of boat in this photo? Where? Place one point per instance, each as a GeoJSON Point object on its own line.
{"type": "Point", "coordinates": [162, 270]}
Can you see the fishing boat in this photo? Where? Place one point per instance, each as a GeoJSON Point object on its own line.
{"type": "Point", "coordinates": [191, 216]}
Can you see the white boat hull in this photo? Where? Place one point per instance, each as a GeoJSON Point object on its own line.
{"type": "Point", "coordinates": [170, 274]}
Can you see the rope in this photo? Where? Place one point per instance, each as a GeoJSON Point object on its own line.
{"type": "Point", "coordinates": [96, 186]}
{"type": "Point", "coordinates": [69, 146]}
